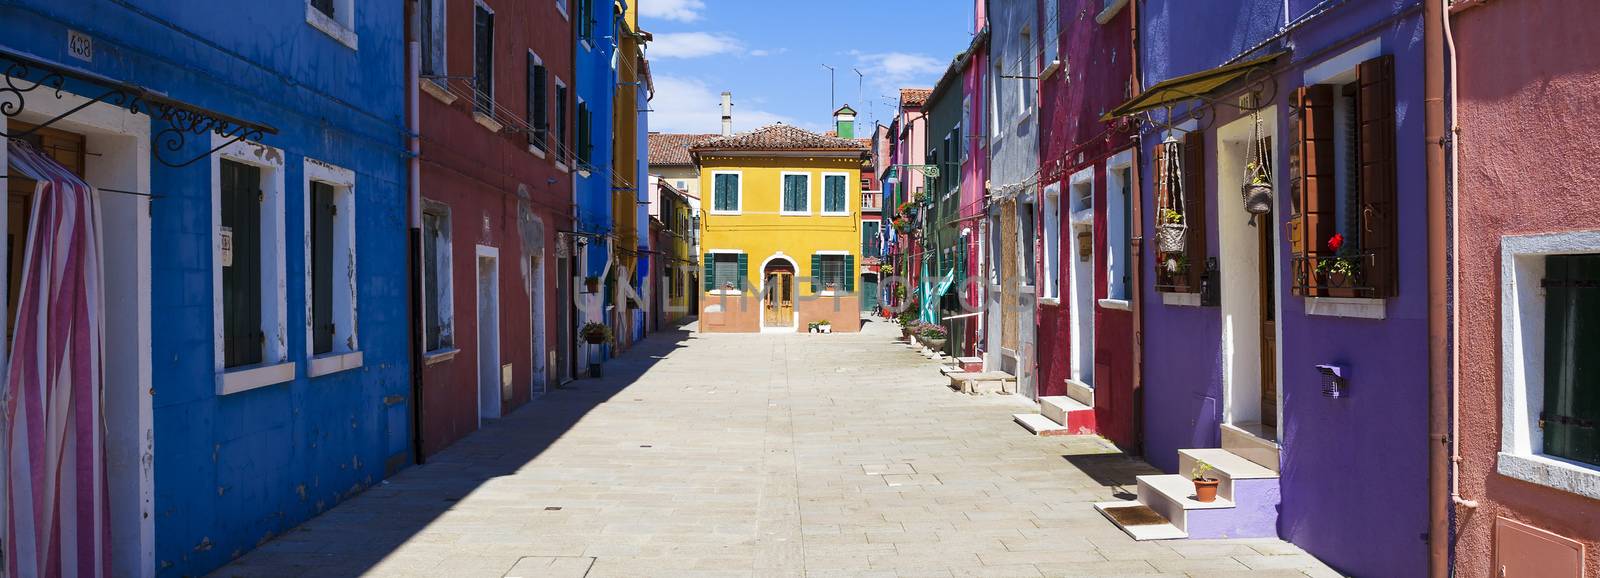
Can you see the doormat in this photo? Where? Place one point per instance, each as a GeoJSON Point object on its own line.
{"type": "Point", "coordinates": [1140, 515]}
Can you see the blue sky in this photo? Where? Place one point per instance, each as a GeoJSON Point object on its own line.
{"type": "Point", "coordinates": [770, 54]}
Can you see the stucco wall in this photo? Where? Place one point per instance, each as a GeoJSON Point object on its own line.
{"type": "Point", "coordinates": [1529, 78]}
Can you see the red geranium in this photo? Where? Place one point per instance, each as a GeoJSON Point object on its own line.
{"type": "Point", "coordinates": [1335, 242]}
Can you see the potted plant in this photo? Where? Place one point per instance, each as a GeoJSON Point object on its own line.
{"type": "Point", "coordinates": [824, 326]}
{"type": "Point", "coordinates": [1257, 189]}
{"type": "Point", "coordinates": [934, 337]}
{"type": "Point", "coordinates": [591, 284]}
{"type": "Point", "coordinates": [1205, 485]}
{"type": "Point", "coordinates": [1339, 272]}
{"type": "Point", "coordinates": [1171, 232]}
{"type": "Point", "coordinates": [595, 333]}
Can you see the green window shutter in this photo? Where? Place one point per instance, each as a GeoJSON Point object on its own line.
{"type": "Point", "coordinates": [709, 263]}
{"type": "Point", "coordinates": [1571, 413]}
{"type": "Point", "coordinates": [322, 215]}
{"type": "Point", "coordinates": [430, 270]}
{"type": "Point", "coordinates": [850, 273]}
{"type": "Point", "coordinates": [242, 341]}
{"type": "Point", "coordinates": [744, 271]}
{"type": "Point", "coordinates": [816, 272]}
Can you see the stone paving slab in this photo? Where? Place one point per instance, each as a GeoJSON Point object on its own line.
{"type": "Point", "coordinates": [757, 455]}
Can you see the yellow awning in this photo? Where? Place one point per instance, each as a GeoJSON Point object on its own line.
{"type": "Point", "coordinates": [1189, 86]}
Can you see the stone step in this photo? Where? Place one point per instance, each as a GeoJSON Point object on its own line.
{"type": "Point", "coordinates": [1140, 521]}
{"type": "Point", "coordinates": [1068, 412]}
{"type": "Point", "coordinates": [1226, 466]}
{"type": "Point", "coordinates": [1172, 496]}
{"type": "Point", "coordinates": [982, 383]}
{"type": "Point", "coordinates": [973, 364]}
{"type": "Point", "coordinates": [1080, 391]}
{"type": "Point", "coordinates": [1040, 425]}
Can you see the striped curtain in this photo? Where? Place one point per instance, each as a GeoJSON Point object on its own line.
{"type": "Point", "coordinates": [57, 506]}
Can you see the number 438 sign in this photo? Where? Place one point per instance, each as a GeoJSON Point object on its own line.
{"type": "Point", "coordinates": [80, 46]}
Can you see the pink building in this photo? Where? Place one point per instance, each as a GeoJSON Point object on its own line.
{"type": "Point", "coordinates": [1528, 309]}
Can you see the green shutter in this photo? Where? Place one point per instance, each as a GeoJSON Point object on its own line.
{"type": "Point", "coordinates": [744, 271]}
{"type": "Point", "coordinates": [708, 262]}
{"type": "Point", "coordinates": [322, 211]}
{"type": "Point", "coordinates": [816, 273]}
{"type": "Point", "coordinates": [242, 340]}
{"type": "Point", "coordinates": [1571, 412]}
{"type": "Point", "coordinates": [849, 273]}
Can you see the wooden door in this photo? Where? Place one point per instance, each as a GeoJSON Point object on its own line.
{"type": "Point", "coordinates": [66, 148]}
{"type": "Point", "coordinates": [779, 310]}
{"type": "Point", "coordinates": [1269, 324]}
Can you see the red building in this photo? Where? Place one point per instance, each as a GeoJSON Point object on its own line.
{"type": "Point", "coordinates": [1087, 168]}
{"type": "Point", "coordinates": [497, 129]}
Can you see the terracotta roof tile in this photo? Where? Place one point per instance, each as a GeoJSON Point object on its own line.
{"type": "Point", "coordinates": [668, 149]}
{"type": "Point", "coordinates": [914, 96]}
{"type": "Point", "coordinates": [779, 137]}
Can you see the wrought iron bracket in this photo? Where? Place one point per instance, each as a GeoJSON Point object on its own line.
{"type": "Point", "coordinates": [178, 121]}
{"type": "Point", "coordinates": [1259, 85]}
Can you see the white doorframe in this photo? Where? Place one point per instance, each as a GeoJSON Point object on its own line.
{"type": "Point", "coordinates": [1239, 252]}
{"type": "Point", "coordinates": [488, 323]}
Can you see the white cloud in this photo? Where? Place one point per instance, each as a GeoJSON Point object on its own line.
{"type": "Point", "coordinates": [890, 70]}
{"type": "Point", "coordinates": [679, 10]}
{"type": "Point", "coordinates": [693, 45]}
{"type": "Point", "coordinates": [689, 105]}
{"type": "Point", "coordinates": [759, 52]}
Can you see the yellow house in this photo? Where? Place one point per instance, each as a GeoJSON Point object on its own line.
{"type": "Point", "coordinates": [780, 230]}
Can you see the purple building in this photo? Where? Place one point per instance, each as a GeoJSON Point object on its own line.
{"type": "Point", "coordinates": [1284, 238]}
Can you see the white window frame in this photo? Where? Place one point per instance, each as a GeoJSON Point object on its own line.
{"type": "Point", "coordinates": [559, 121]}
{"type": "Point", "coordinates": [275, 366]}
{"type": "Point", "coordinates": [823, 194]}
{"type": "Point", "coordinates": [346, 352]}
{"type": "Point", "coordinates": [561, 7]}
{"type": "Point", "coordinates": [1118, 249]}
{"type": "Point", "coordinates": [532, 148]}
{"type": "Point", "coordinates": [837, 253]}
{"type": "Point", "coordinates": [447, 289]}
{"type": "Point", "coordinates": [783, 177]}
{"type": "Point", "coordinates": [341, 26]}
{"type": "Point", "coordinates": [719, 290]}
{"type": "Point", "coordinates": [1051, 36]}
{"type": "Point", "coordinates": [738, 194]}
{"type": "Point", "coordinates": [487, 120]}
{"type": "Point", "coordinates": [1522, 335]}
{"type": "Point", "coordinates": [1025, 96]}
{"type": "Point", "coordinates": [1050, 249]}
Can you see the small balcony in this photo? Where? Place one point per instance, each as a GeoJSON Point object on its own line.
{"type": "Point", "coordinates": [872, 201]}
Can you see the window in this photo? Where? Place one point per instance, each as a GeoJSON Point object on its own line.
{"type": "Point", "coordinates": [1118, 223]}
{"type": "Point", "coordinates": [538, 102]}
{"type": "Point", "coordinates": [248, 293]}
{"type": "Point", "coordinates": [561, 6]}
{"type": "Point", "coordinates": [563, 142]}
{"type": "Point", "coordinates": [835, 194]}
{"type": "Point", "coordinates": [1026, 213]}
{"type": "Point", "coordinates": [336, 18]}
{"type": "Point", "coordinates": [726, 271]}
{"type": "Point", "coordinates": [433, 39]}
{"type": "Point", "coordinates": [1052, 26]}
{"type": "Point", "coordinates": [330, 270]}
{"type": "Point", "coordinates": [1550, 383]}
{"type": "Point", "coordinates": [585, 148]}
{"type": "Point", "coordinates": [483, 60]}
{"type": "Point", "coordinates": [966, 124]}
{"type": "Point", "coordinates": [727, 192]}
{"type": "Point", "coordinates": [1342, 227]}
{"type": "Point", "coordinates": [1029, 69]}
{"type": "Point", "coordinates": [832, 272]}
{"type": "Point", "coordinates": [996, 88]}
{"type": "Point", "coordinates": [438, 312]}
{"type": "Point", "coordinates": [796, 194]}
{"type": "Point", "coordinates": [871, 245]}
{"type": "Point", "coordinates": [586, 22]}
{"type": "Point", "coordinates": [1050, 287]}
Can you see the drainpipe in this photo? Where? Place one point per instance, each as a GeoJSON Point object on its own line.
{"type": "Point", "coordinates": [1455, 266]}
{"type": "Point", "coordinates": [1433, 15]}
{"type": "Point", "coordinates": [1137, 244]}
{"type": "Point", "coordinates": [414, 221]}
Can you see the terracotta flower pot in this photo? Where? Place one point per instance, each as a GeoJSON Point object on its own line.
{"type": "Point", "coordinates": [1206, 490]}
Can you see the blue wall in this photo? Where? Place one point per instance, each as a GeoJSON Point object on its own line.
{"type": "Point", "coordinates": [597, 81]}
{"type": "Point", "coordinates": [232, 471]}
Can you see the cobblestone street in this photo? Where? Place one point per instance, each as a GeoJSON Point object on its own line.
{"type": "Point", "coordinates": [757, 455]}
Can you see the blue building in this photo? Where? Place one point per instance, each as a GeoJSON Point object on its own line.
{"type": "Point", "coordinates": [596, 69]}
{"type": "Point", "coordinates": [251, 171]}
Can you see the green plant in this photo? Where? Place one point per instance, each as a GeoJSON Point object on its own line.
{"type": "Point", "coordinates": [812, 326]}
{"type": "Point", "coordinates": [824, 323]}
{"type": "Point", "coordinates": [1258, 176]}
{"type": "Point", "coordinates": [932, 331]}
{"type": "Point", "coordinates": [1201, 471]}
{"type": "Point", "coordinates": [596, 333]}
{"type": "Point", "coordinates": [1171, 217]}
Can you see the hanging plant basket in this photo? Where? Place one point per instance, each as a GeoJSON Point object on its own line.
{"type": "Point", "coordinates": [1172, 232]}
{"type": "Point", "coordinates": [1257, 175]}
{"type": "Point", "coordinates": [1258, 198]}
{"type": "Point", "coordinates": [1170, 238]}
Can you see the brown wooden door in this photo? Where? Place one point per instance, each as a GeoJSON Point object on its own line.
{"type": "Point", "coordinates": [779, 310]}
{"type": "Point", "coordinates": [1269, 323]}
{"type": "Point", "coordinates": [66, 148]}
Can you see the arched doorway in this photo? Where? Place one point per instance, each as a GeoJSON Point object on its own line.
{"type": "Point", "coordinates": [777, 294]}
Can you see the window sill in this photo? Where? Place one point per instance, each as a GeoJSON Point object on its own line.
{"type": "Point", "coordinates": [843, 214]}
{"type": "Point", "coordinates": [331, 27]}
{"type": "Point", "coordinates": [487, 121]}
{"type": "Point", "coordinates": [536, 151]}
{"type": "Point", "coordinates": [725, 292]}
{"type": "Point", "coordinates": [1117, 304]}
{"type": "Point", "coordinates": [1049, 70]}
{"type": "Point", "coordinates": [561, 166]}
{"type": "Point", "coordinates": [1181, 299]}
{"type": "Point", "coordinates": [717, 212]}
{"type": "Point", "coordinates": [1355, 307]}
{"type": "Point", "coordinates": [233, 381]}
{"type": "Point", "coordinates": [441, 93]}
{"type": "Point", "coordinates": [333, 363]}
{"type": "Point", "coordinates": [794, 213]}
{"type": "Point", "coordinates": [1050, 301]}
{"type": "Point", "coordinates": [439, 356]}
{"type": "Point", "coordinates": [1550, 472]}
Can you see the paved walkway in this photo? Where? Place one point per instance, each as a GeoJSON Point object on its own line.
{"type": "Point", "coordinates": [757, 455]}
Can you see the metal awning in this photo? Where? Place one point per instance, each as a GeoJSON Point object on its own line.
{"type": "Point", "coordinates": [1190, 86]}
{"type": "Point", "coordinates": [24, 73]}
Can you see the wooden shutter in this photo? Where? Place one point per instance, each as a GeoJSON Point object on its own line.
{"type": "Point", "coordinates": [1194, 207]}
{"type": "Point", "coordinates": [483, 61]}
{"type": "Point", "coordinates": [431, 281]}
{"type": "Point", "coordinates": [241, 275]}
{"type": "Point", "coordinates": [538, 103]}
{"type": "Point", "coordinates": [322, 216]}
{"type": "Point", "coordinates": [1316, 181]}
{"type": "Point", "coordinates": [1158, 160]}
{"type": "Point", "coordinates": [744, 271]}
{"type": "Point", "coordinates": [816, 272]}
{"type": "Point", "coordinates": [708, 263]}
{"type": "Point", "coordinates": [1377, 136]}
{"type": "Point", "coordinates": [849, 273]}
{"type": "Point", "coordinates": [1571, 413]}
